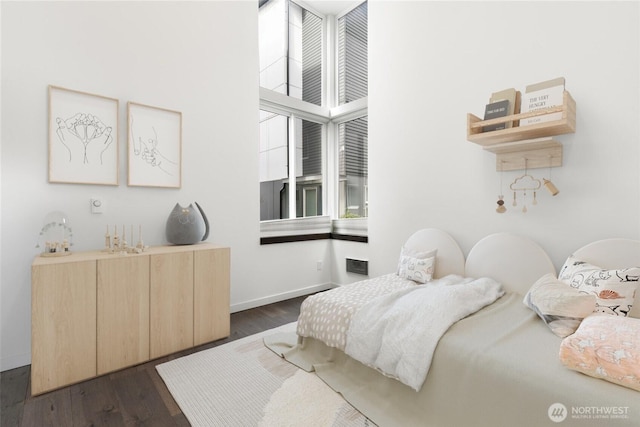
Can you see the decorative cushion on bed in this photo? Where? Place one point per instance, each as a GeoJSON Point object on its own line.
{"type": "Point", "coordinates": [614, 289]}
{"type": "Point", "coordinates": [606, 347]}
{"type": "Point", "coordinates": [560, 306]}
{"type": "Point", "coordinates": [417, 266]}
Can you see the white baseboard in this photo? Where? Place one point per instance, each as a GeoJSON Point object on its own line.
{"type": "Point", "coordinates": [280, 297]}
{"type": "Point", "coordinates": [17, 361]}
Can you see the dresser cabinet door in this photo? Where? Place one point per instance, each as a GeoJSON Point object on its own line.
{"type": "Point", "coordinates": [171, 303]}
{"type": "Point", "coordinates": [63, 324]}
{"type": "Point", "coordinates": [94, 313]}
{"type": "Point", "coordinates": [211, 295]}
{"type": "Point", "coordinates": [123, 312]}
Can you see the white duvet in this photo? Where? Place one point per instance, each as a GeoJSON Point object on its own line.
{"type": "Point", "coordinates": [398, 333]}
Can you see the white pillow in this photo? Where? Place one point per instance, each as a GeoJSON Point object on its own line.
{"type": "Point", "coordinates": [560, 306]}
{"type": "Point", "coordinates": [614, 289]}
{"type": "Point", "coordinates": [417, 266]}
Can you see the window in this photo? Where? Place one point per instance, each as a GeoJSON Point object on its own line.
{"type": "Point", "coordinates": [290, 47]}
{"type": "Point", "coordinates": [353, 169]}
{"type": "Point", "coordinates": [313, 117]}
{"type": "Point", "coordinates": [274, 166]}
{"type": "Point", "coordinates": [288, 177]}
{"type": "Point", "coordinates": [352, 55]}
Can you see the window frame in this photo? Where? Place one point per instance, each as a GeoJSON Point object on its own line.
{"type": "Point", "coordinates": [330, 116]}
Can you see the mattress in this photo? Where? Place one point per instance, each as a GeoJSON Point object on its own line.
{"type": "Point", "coordinates": [497, 367]}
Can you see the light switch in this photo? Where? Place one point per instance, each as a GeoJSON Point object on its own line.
{"type": "Point", "coordinates": [97, 206]}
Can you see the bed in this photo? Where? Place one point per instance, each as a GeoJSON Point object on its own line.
{"type": "Point", "coordinates": [499, 366]}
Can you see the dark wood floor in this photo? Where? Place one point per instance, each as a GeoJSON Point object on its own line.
{"type": "Point", "coordinates": [135, 396]}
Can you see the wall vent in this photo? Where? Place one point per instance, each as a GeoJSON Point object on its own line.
{"type": "Point", "coordinates": [357, 266]}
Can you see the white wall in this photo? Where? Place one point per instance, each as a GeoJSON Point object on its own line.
{"type": "Point", "coordinates": [200, 58]}
{"type": "Point", "coordinates": [433, 62]}
{"type": "Point", "coordinates": [430, 64]}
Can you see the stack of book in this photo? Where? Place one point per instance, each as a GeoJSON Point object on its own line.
{"type": "Point", "coordinates": [536, 97]}
{"type": "Point", "coordinates": [501, 104]}
{"type": "Point", "coordinates": [541, 95]}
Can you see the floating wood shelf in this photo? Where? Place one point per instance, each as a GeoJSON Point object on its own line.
{"type": "Point", "coordinates": [527, 154]}
{"type": "Point", "coordinates": [525, 146]}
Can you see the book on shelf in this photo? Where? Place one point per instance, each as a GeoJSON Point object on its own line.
{"type": "Point", "coordinates": [494, 110]}
{"type": "Point", "coordinates": [542, 95]}
{"type": "Point", "coordinates": [513, 97]}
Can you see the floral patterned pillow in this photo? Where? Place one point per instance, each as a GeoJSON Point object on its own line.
{"type": "Point", "coordinates": [614, 289]}
{"type": "Point", "coordinates": [417, 266]}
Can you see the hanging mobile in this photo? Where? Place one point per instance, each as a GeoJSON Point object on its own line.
{"type": "Point", "coordinates": [500, 202]}
{"type": "Point", "coordinates": [524, 183]}
{"type": "Point", "coordinates": [548, 184]}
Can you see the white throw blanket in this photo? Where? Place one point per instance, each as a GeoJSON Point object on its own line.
{"type": "Point", "coordinates": [398, 333]}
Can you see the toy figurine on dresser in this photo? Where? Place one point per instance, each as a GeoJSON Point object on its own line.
{"type": "Point", "coordinates": [187, 225]}
{"type": "Point", "coordinates": [118, 245]}
{"type": "Point", "coordinates": [56, 236]}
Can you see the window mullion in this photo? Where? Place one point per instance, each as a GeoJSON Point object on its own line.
{"type": "Point", "coordinates": [331, 177]}
{"type": "Point", "coordinates": [293, 127]}
{"type": "Point", "coordinates": [286, 105]}
{"type": "Point", "coordinates": [331, 65]}
{"type": "Point", "coordinates": [350, 111]}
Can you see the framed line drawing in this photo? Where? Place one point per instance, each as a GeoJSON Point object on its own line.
{"type": "Point", "coordinates": [83, 137]}
{"type": "Point", "coordinates": [154, 146]}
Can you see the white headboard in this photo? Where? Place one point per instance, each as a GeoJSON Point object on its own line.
{"type": "Point", "coordinates": [449, 259]}
{"type": "Point", "coordinates": [611, 253]}
{"type": "Point", "coordinates": [515, 261]}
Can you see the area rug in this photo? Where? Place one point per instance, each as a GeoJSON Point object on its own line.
{"type": "Point", "coordinates": [243, 383]}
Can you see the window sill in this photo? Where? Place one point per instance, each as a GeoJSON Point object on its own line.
{"type": "Point", "coordinates": [350, 227]}
{"type": "Point", "coordinates": [295, 230]}
{"type": "Point", "coordinates": [313, 228]}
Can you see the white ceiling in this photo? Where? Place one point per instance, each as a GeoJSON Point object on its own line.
{"type": "Point", "coordinates": [331, 7]}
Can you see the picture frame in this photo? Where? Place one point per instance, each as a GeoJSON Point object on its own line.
{"type": "Point", "coordinates": [83, 137]}
{"type": "Point", "coordinates": [154, 146]}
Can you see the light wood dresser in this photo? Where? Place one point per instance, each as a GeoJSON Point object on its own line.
{"type": "Point", "coordinates": [94, 312]}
